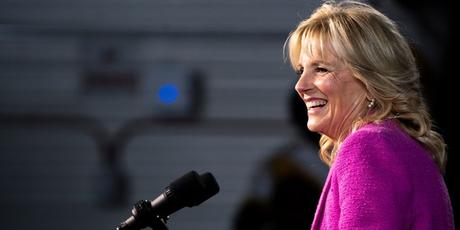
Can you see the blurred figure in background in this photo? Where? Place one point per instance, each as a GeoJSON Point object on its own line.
{"type": "Point", "coordinates": [360, 83]}
{"type": "Point", "coordinates": [286, 187]}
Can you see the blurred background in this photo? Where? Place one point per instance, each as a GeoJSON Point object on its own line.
{"type": "Point", "coordinates": [105, 102]}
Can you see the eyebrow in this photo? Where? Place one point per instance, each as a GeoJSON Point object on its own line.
{"type": "Point", "coordinates": [319, 62]}
{"type": "Point", "coordinates": [315, 63]}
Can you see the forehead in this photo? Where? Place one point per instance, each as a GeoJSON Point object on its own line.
{"type": "Point", "coordinates": [314, 51]}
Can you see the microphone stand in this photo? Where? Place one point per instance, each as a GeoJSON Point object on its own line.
{"type": "Point", "coordinates": [143, 213]}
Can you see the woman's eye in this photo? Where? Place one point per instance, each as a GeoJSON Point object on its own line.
{"type": "Point", "coordinates": [321, 70]}
{"type": "Point", "coordinates": [299, 71]}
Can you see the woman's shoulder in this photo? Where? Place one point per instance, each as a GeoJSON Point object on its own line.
{"type": "Point", "coordinates": [380, 142]}
{"type": "Point", "coordinates": [377, 133]}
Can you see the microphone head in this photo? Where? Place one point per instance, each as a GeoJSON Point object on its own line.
{"type": "Point", "coordinates": [211, 186]}
{"type": "Point", "coordinates": [193, 189]}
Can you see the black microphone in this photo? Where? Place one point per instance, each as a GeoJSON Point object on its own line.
{"type": "Point", "coordinates": [189, 190]}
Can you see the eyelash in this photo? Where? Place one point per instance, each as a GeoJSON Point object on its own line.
{"type": "Point", "coordinates": [299, 71]}
{"type": "Point", "coordinates": [321, 70]}
{"type": "Point", "coordinates": [317, 70]}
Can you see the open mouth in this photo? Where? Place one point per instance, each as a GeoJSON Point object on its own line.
{"type": "Point", "coordinates": [316, 104]}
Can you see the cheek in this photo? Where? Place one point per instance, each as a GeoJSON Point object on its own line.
{"type": "Point", "coordinates": [347, 98]}
{"type": "Point", "coordinates": [328, 87]}
{"type": "Point", "coordinates": [339, 97]}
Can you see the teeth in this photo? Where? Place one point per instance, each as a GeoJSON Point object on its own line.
{"type": "Point", "coordinates": [312, 104]}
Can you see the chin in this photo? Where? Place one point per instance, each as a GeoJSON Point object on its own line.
{"type": "Point", "coordinates": [313, 127]}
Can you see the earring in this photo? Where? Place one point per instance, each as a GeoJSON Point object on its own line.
{"type": "Point", "coordinates": [371, 103]}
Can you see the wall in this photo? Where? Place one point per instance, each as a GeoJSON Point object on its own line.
{"type": "Point", "coordinates": [80, 139]}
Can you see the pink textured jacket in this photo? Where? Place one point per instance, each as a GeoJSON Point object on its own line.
{"type": "Point", "coordinates": [383, 179]}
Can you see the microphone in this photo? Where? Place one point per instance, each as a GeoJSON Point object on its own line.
{"type": "Point", "coordinates": [189, 190]}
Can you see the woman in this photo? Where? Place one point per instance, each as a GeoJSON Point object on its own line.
{"type": "Point", "coordinates": [360, 84]}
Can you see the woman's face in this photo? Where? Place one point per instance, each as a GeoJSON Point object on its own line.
{"type": "Point", "coordinates": [333, 96]}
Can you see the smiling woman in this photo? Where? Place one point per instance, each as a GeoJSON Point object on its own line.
{"type": "Point", "coordinates": [361, 87]}
{"type": "Point", "coordinates": [332, 95]}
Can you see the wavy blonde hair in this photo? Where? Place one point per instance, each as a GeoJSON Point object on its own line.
{"type": "Point", "coordinates": [370, 44]}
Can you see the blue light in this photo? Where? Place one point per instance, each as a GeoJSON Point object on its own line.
{"type": "Point", "coordinates": [168, 94]}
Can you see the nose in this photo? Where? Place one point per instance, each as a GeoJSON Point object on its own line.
{"type": "Point", "coordinates": [303, 85]}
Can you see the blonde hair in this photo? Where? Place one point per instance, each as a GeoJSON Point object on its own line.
{"type": "Point", "coordinates": [370, 44]}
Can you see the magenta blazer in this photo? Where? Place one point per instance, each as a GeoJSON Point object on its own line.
{"type": "Point", "coordinates": [383, 179]}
